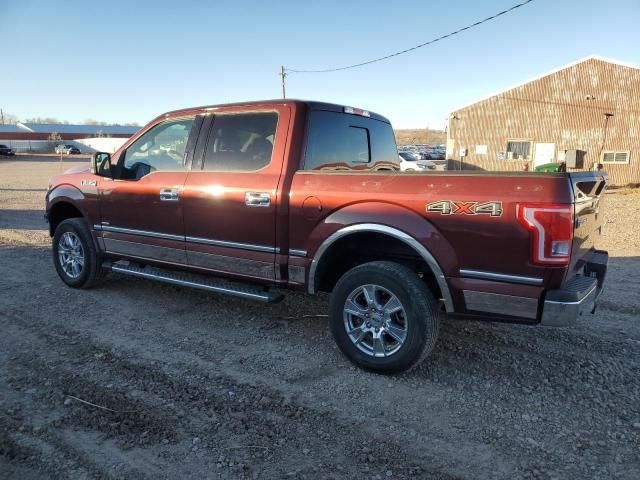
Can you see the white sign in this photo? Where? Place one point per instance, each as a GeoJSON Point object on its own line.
{"type": "Point", "coordinates": [463, 152]}
{"type": "Point", "coordinates": [481, 149]}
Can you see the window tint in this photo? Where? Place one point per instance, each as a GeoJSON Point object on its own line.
{"type": "Point", "coordinates": [160, 149]}
{"type": "Point", "coordinates": [241, 142]}
{"type": "Point", "coordinates": [339, 141]}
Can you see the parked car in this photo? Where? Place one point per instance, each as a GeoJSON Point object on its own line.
{"type": "Point", "coordinates": [5, 150]}
{"type": "Point", "coordinates": [408, 156]}
{"type": "Point", "coordinates": [67, 149]}
{"type": "Point", "coordinates": [267, 197]}
{"type": "Point", "coordinates": [411, 162]}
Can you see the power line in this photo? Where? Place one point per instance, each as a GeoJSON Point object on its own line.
{"type": "Point", "coordinates": [468, 27]}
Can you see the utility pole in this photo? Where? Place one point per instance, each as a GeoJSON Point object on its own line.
{"type": "Point", "coordinates": [283, 75]}
{"type": "Point", "coordinates": [607, 116]}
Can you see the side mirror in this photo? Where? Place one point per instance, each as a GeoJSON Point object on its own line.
{"type": "Point", "coordinates": [101, 164]}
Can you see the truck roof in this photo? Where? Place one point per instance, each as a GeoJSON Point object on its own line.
{"type": "Point", "coordinates": [310, 104]}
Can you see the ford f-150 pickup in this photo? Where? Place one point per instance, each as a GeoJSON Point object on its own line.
{"type": "Point", "coordinates": [251, 199]}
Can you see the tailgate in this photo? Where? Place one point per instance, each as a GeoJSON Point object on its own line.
{"type": "Point", "coordinates": [588, 196]}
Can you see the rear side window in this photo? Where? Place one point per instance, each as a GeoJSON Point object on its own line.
{"type": "Point", "coordinates": [339, 141]}
{"type": "Point", "coordinates": [241, 142]}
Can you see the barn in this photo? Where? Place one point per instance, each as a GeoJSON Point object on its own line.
{"type": "Point", "coordinates": [588, 110]}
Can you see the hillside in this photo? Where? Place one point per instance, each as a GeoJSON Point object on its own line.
{"type": "Point", "coordinates": [420, 135]}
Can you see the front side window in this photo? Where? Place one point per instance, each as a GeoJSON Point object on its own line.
{"type": "Point", "coordinates": [160, 149]}
{"type": "Point", "coordinates": [518, 150]}
{"type": "Point", "coordinates": [241, 142]}
{"type": "Point", "coordinates": [339, 141]}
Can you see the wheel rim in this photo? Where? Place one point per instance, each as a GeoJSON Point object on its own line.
{"type": "Point", "coordinates": [71, 254]}
{"type": "Point", "coordinates": [375, 321]}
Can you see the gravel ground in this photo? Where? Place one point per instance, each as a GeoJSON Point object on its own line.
{"type": "Point", "coordinates": [144, 380]}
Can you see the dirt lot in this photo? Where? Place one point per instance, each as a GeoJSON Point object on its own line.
{"type": "Point", "coordinates": [186, 384]}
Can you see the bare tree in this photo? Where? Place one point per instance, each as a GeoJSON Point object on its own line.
{"type": "Point", "coordinates": [8, 118]}
{"type": "Point", "coordinates": [91, 121]}
{"type": "Point", "coordinates": [53, 139]}
{"type": "Point", "coordinates": [43, 120]}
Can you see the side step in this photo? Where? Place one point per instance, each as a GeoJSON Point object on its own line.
{"type": "Point", "coordinates": [197, 281]}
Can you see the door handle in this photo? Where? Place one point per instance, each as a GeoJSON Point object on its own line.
{"type": "Point", "coordinates": [257, 199]}
{"type": "Point", "coordinates": [169, 194]}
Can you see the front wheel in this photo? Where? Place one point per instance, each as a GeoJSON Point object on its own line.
{"type": "Point", "coordinates": [74, 255]}
{"type": "Point", "coordinates": [383, 317]}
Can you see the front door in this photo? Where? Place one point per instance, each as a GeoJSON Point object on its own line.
{"type": "Point", "coordinates": [141, 207]}
{"type": "Point", "coordinates": [231, 194]}
{"type": "Point", "coordinates": [544, 153]}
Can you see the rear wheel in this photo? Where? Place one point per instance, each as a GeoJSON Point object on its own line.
{"type": "Point", "coordinates": [74, 255]}
{"type": "Point", "coordinates": [383, 317]}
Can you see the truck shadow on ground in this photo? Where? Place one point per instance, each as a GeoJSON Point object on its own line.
{"type": "Point", "coordinates": [464, 347]}
{"type": "Point", "coordinates": [23, 219]}
{"type": "Point", "coordinates": [507, 385]}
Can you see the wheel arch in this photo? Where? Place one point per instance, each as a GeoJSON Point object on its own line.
{"type": "Point", "coordinates": [64, 202]}
{"type": "Point", "coordinates": [361, 231]}
{"type": "Point", "coordinates": [61, 211]}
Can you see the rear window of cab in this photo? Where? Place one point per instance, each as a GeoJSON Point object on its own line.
{"type": "Point", "coordinates": [339, 141]}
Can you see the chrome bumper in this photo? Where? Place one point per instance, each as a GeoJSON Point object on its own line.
{"type": "Point", "coordinates": [578, 296]}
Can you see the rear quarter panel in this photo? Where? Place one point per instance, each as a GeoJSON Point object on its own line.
{"type": "Point", "coordinates": [321, 203]}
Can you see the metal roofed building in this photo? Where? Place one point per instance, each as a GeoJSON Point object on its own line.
{"type": "Point", "coordinates": [81, 129]}
{"type": "Point", "coordinates": [591, 105]}
{"type": "Point", "coordinates": [34, 137]}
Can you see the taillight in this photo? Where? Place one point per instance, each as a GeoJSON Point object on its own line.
{"type": "Point", "coordinates": [552, 229]}
{"type": "Point", "coordinates": [356, 111]}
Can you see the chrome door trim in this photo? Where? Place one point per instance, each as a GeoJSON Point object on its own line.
{"type": "Point", "coordinates": [203, 241]}
{"type": "Point", "coordinates": [224, 243]}
{"type": "Point", "coordinates": [236, 265]}
{"type": "Point", "coordinates": [142, 250]}
{"type": "Point", "coordinates": [142, 233]}
{"type": "Point", "coordinates": [393, 232]}
{"type": "Point", "coordinates": [500, 277]}
{"type": "Point", "coordinates": [297, 253]}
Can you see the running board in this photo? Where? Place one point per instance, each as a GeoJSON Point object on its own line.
{"type": "Point", "coordinates": [197, 281]}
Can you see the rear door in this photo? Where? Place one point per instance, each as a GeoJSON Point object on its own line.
{"type": "Point", "coordinates": [141, 208]}
{"type": "Point", "coordinates": [230, 197]}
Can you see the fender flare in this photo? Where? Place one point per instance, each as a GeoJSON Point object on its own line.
{"type": "Point", "coordinates": [69, 194]}
{"type": "Point", "coordinates": [392, 232]}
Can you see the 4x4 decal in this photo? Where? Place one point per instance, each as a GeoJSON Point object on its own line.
{"type": "Point", "coordinates": [453, 207]}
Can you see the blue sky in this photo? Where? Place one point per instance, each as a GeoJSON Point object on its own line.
{"type": "Point", "coordinates": [124, 61]}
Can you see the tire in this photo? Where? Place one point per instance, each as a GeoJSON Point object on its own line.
{"type": "Point", "coordinates": [406, 336]}
{"type": "Point", "coordinates": [71, 242]}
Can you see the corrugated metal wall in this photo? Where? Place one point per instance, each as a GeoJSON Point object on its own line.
{"type": "Point", "coordinates": [22, 146]}
{"type": "Point", "coordinates": [565, 108]}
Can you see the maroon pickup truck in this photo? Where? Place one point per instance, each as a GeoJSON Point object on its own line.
{"type": "Point", "coordinates": [250, 199]}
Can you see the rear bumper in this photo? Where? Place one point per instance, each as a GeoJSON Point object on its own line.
{"type": "Point", "coordinates": [578, 296]}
